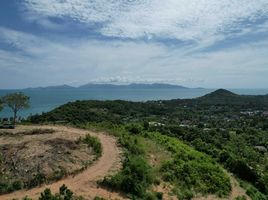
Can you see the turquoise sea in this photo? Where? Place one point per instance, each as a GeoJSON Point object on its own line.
{"type": "Point", "coordinates": [43, 100]}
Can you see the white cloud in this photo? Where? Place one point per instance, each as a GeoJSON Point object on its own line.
{"type": "Point", "coordinates": [178, 19]}
{"type": "Point", "coordinates": [46, 62]}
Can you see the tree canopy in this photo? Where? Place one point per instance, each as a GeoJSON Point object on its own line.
{"type": "Point", "coordinates": [16, 101]}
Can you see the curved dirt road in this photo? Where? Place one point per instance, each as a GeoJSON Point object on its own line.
{"type": "Point", "coordinates": [83, 184]}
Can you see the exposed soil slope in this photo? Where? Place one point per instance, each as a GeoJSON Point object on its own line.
{"type": "Point", "coordinates": [83, 184]}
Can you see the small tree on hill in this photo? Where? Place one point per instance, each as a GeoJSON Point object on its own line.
{"type": "Point", "coordinates": [16, 101]}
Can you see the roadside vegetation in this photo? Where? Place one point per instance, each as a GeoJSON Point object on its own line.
{"type": "Point", "coordinates": [188, 171]}
{"type": "Point", "coordinates": [201, 138]}
{"type": "Point", "coordinates": [92, 142]}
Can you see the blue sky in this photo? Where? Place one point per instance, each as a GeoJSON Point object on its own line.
{"type": "Point", "coordinates": [196, 43]}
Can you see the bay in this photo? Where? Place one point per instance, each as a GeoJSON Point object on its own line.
{"type": "Point", "coordinates": [44, 100]}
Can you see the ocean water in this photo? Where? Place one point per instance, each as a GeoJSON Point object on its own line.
{"type": "Point", "coordinates": [46, 100]}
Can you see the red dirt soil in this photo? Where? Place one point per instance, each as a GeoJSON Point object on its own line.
{"type": "Point", "coordinates": [83, 184]}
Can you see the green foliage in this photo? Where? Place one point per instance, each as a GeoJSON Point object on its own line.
{"type": "Point", "coordinates": [253, 192]}
{"type": "Point", "coordinates": [47, 195]}
{"type": "Point", "coordinates": [185, 194]}
{"type": "Point", "coordinates": [38, 179]}
{"type": "Point", "coordinates": [94, 143]}
{"type": "Point", "coordinates": [134, 129]}
{"type": "Point", "coordinates": [241, 198]}
{"type": "Point", "coordinates": [190, 170]}
{"type": "Point", "coordinates": [6, 187]}
{"type": "Point", "coordinates": [99, 198]}
{"type": "Point", "coordinates": [26, 198]}
{"type": "Point", "coordinates": [17, 185]}
{"type": "Point", "coordinates": [59, 174]}
{"type": "Point", "coordinates": [132, 145]}
{"type": "Point", "coordinates": [228, 127]}
{"type": "Point", "coordinates": [159, 195]}
{"type": "Point", "coordinates": [16, 101]}
{"type": "Point", "coordinates": [1, 158]}
{"type": "Point", "coordinates": [64, 194]}
{"type": "Point", "coordinates": [135, 177]}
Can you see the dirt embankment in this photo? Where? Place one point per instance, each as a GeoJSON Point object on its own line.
{"type": "Point", "coordinates": [84, 183]}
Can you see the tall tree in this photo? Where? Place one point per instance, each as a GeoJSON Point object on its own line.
{"type": "Point", "coordinates": [16, 101]}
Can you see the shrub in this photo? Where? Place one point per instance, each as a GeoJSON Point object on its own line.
{"type": "Point", "coordinates": [93, 142]}
{"type": "Point", "coordinates": [241, 198]}
{"type": "Point", "coordinates": [59, 173]}
{"type": "Point", "coordinates": [99, 198]}
{"type": "Point", "coordinates": [135, 177]}
{"type": "Point", "coordinates": [190, 170]}
{"type": "Point", "coordinates": [37, 180]}
{"type": "Point", "coordinates": [134, 129]}
{"type": "Point", "coordinates": [64, 194]}
{"type": "Point", "coordinates": [254, 194]}
{"type": "Point", "coordinates": [17, 185]}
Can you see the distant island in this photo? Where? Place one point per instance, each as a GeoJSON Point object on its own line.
{"type": "Point", "coordinates": [112, 86]}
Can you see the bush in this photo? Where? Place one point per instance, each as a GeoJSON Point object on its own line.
{"type": "Point", "coordinates": [93, 142]}
{"type": "Point", "coordinates": [134, 129]}
{"type": "Point", "coordinates": [254, 194]}
{"type": "Point", "coordinates": [135, 177]}
{"type": "Point", "coordinates": [190, 170]}
{"type": "Point", "coordinates": [37, 180]}
{"type": "Point", "coordinates": [99, 198]}
{"type": "Point", "coordinates": [185, 194]}
{"type": "Point", "coordinates": [64, 194]}
{"type": "Point", "coordinates": [59, 173]}
{"type": "Point", "coordinates": [241, 198]}
{"type": "Point", "coordinates": [17, 185]}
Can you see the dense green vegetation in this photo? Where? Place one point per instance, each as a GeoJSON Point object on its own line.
{"type": "Point", "coordinates": [94, 143]}
{"type": "Point", "coordinates": [63, 194]}
{"type": "Point", "coordinates": [189, 171]}
{"type": "Point", "coordinates": [231, 129]}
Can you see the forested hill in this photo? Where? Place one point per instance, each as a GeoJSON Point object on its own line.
{"type": "Point", "coordinates": [119, 111]}
{"type": "Point", "coordinates": [231, 128]}
{"type": "Point", "coordinates": [225, 97]}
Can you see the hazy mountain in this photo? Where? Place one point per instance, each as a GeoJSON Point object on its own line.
{"type": "Point", "coordinates": [58, 87]}
{"type": "Point", "coordinates": [112, 86]}
{"type": "Point", "coordinates": [132, 86]}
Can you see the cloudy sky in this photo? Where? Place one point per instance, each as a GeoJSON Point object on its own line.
{"type": "Point", "coordinates": [196, 43]}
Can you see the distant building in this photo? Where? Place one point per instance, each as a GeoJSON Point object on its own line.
{"type": "Point", "coordinates": [261, 149]}
{"type": "Point", "coordinates": [156, 124]}
{"type": "Point", "coordinates": [265, 113]}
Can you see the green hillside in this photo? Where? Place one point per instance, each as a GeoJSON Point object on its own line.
{"type": "Point", "coordinates": [232, 129]}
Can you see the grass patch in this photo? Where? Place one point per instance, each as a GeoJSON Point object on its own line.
{"type": "Point", "coordinates": [94, 143]}
{"type": "Point", "coordinates": [190, 171]}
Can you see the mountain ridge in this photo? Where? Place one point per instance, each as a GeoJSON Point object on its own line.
{"type": "Point", "coordinates": [113, 86]}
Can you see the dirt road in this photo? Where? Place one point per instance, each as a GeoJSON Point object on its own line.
{"type": "Point", "coordinates": [83, 184]}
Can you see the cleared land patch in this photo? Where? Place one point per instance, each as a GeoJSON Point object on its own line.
{"type": "Point", "coordinates": [83, 183]}
{"type": "Point", "coordinates": [31, 157]}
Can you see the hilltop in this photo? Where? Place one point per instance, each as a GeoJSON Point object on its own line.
{"type": "Point", "coordinates": [225, 97]}
{"type": "Point", "coordinates": [182, 148]}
